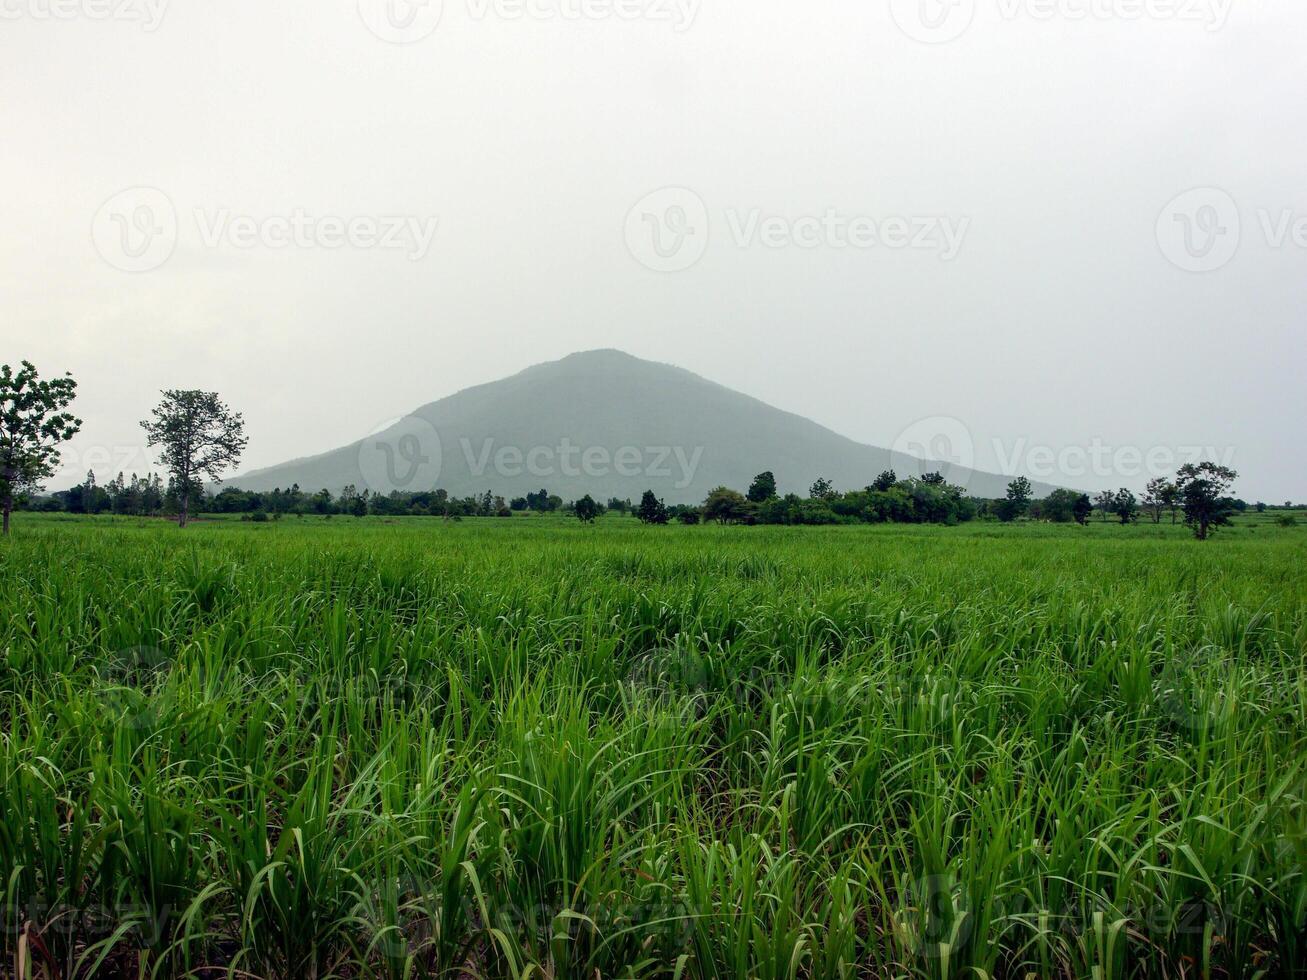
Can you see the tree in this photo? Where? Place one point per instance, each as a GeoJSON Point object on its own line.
{"type": "Point", "coordinates": [935, 479]}
{"type": "Point", "coordinates": [1104, 500]}
{"type": "Point", "coordinates": [32, 424]}
{"type": "Point", "coordinates": [1155, 498]}
{"type": "Point", "coordinates": [725, 506]}
{"type": "Point", "coordinates": [1082, 509]}
{"type": "Point", "coordinates": [200, 437]}
{"type": "Point", "coordinates": [652, 510]}
{"type": "Point", "coordinates": [1125, 506]}
{"type": "Point", "coordinates": [1060, 506]}
{"type": "Point", "coordinates": [1171, 499]}
{"type": "Point", "coordinates": [1202, 492]}
{"type": "Point", "coordinates": [1017, 501]}
{"type": "Point", "coordinates": [587, 510]}
{"type": "Point", "coordinates": [763, 487]}
{"type": "Point", "coordinates": [883, 482]}
{"type": "Point", "coordinates": [821, 489]}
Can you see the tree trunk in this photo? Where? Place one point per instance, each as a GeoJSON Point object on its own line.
{"type": "Point", "coordinates": [182, 514]}
{"type": "Point", "coordinates": [8, 506]}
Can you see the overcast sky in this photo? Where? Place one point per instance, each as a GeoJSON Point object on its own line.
{"type": "Point", "coordinates": [1050, 233]}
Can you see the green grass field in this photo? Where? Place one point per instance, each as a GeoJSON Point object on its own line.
{"type": "Point", "coordinates": [527, 748]}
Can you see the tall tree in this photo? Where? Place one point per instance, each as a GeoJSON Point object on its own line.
{"type": "Point", "coordinates": [1202, 490]}
{"type": "Point", "coordinates": [32, 424]}
{"type": "Point", "coordinates": [1019, 492]}
{"type": "Point", "coordinates": [1155, 498]}
{"type": "Point", "coordinates": [652, 510]}
{"type": "Point", "coordinates": [1125, 506]}
{"type": "Point", "coordinates": [1104, 501]}
{"type": "Point", "coordinates": [821, 489]}
{"type": "Point", "coordinates": [763, 487]}
{"type": "Point", "coordinates": [886, 480]}
{"type": "Point", "coordinates": [1082, 508]}
{"type": "Point", "coordinates": [586, 509]}
{"type": "Point", "coordinates": [200, 437]}
{"type": "Point", "coordinates": [1171, 499]}
{"type": "Point", "coordinates": [1016, 503]}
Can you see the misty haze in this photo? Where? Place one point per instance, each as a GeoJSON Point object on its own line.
{"type": "Point", "coordinates": [653, 489]}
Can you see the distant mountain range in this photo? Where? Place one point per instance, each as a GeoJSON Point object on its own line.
{"type": "Point", "coordinates": [607, 424]}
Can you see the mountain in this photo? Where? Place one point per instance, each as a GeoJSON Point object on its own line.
{"type": "Point", "coordinates": [608, 424]}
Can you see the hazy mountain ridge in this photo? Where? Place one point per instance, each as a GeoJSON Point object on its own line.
{"type": "Point", "coordinates": [605, 423]}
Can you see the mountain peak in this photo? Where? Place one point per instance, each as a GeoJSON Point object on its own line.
{"type": "Point", "coordinates": [602, 422]}
{"type": "Point", "coordinates": [600, 358]}
{"type": "Point", "coordinates": [600, 354]}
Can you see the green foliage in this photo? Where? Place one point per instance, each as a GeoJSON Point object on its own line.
{"type": "Point", "coordinates": [652, 510]}
{"type": "Point", "coordinates": [1125, 506]}
{"type": "Point", "coordinates": [586, 509]}
{"type": "Point", "coordinates": [523, 748]}
{"type": "Point", "coordinates": [1203, 493]}
{"type": "Point", "coordinates": [763, 487]}
{"type": "Point", "coordinates": [198, 436]}
{"type": "Point", "coordinates": [821, 489]}
{"type": "Point", "coordinates": [1017, 502]}
{"type": "Point", "coordinates": [725, 506]}
{"type": "Point", "coordinates": [32, 425]}
{"type": "Point", "coordinates": [1159, 495]}
{"type": "Point", "coordinates": [1063, 507]}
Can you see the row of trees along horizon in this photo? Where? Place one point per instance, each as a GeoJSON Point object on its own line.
{"type": "Point", "coordinates": [199, 438]}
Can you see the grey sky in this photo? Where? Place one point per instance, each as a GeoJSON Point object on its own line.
{"type": "Point", "coordinates": [1038, 291]}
